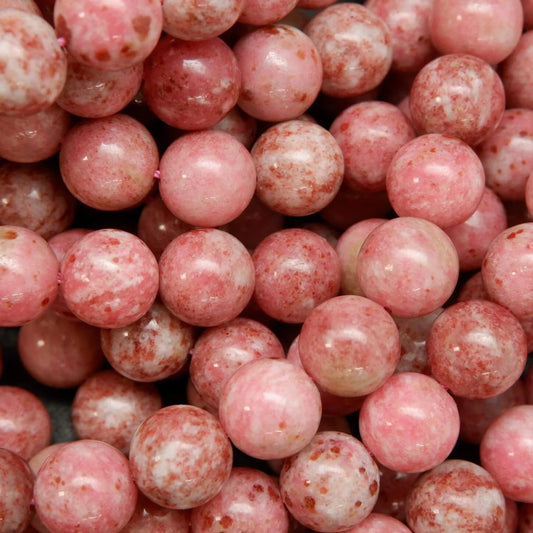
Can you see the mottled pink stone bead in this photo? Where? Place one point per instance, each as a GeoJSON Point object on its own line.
{"type": "Point", "coordinates": [379, 523]}
{"type": "Point", "coordinates": [16, 492]}
{"type": "Point", "coordinates": [27, 287]}
{"type": "Point", "coordinates": [270, 408]}
{"type": "Point", "coordinates": [163, 466]}
{"type": "Point", "coordinates": [369, 134]}
{"type": "Point", "coordinates": [262, 12]}
{"type": "Point", "coordinates": [295, 271]}
{"type": "Point", "coordinates": [457, 496]}
{"type": "Point", "coordinates": [506, 451]}
{"type": "Point", "coordinates": [249, 501]}
{"type": "Point", "coordinates": [109, 36]}
{"type": "Point", "coordinates": [207, 178]}
{"type": "Point", "coordinates": [409, 266]}
{"type": "Point", "coordinates": [209, 85]}
{"type": "Point", "coordinates": [410, 424]}
{"type": "Point", "coordinates": [299, 167]}
{"type": "Point", "coordinates": [85, 486]}
{"type": "Point", "coordinates": [332, 484]}
{"type": "Point", "coordinates": [355, 48]}
{"type": "Point", "coordinates": [459, 95]}
{"type": "Point", "coordinates": [516, 75]}
{"type": "Point", "coordinates": [281, 72]}
{"type": "Point", "coordinates": [207, 277]}
{"type": "Point", "coordinates": [109, 278]}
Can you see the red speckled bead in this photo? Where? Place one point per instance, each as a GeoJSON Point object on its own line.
{"type": "Point", "coordinates": [515, 72]}
{"type": "Point", "coordinates": [28, 276]}
{"type": "Point", "coordinates": [15, 493]}
{"type": "Point", "coordinates": [299, 167]}
{"type": "Point", "coordinates": [270, 408]}
{"type": "Point", "coordinates": [507, 154]}
{"type": "Point", "coordinates": [249, 501]}
{"type": "Point", "coordinates": [408, 22]}
{"type": "Point", "coordinates": [110, 278]}
{"type": "Point", "coordinates": [164, 467]}
{"type": "Point", "coordinates": [281, 72]}
{"type": "Point", "coordinates": [472, 237]}
{"type": "Point", "coordinates": [153, 348]}
{"type": "Point", "coordinates": [93, 93]}
{"type": "Point", "coordinates": [207, 277]}
{"type": "Point", "coordinates": [332, 484]}
{"type": "Point", "coordinates": [110, 36]}
{"type": "Point", "coordinates": [410, 424]}
{"type": "Point", "coordinates": [110, 407]}
{"type": "Point", "coordinates": [220, 351]}
{"type": "Point", "coordinates": [349, 345]}
{"type": "Point", "coordinates": [85, 486]}
{"type": "Point", "coordinates": [369, 134]}
{"type": "Point", "coordinates": [35, 137]}
{"type": "Point", "coordinates": [25, 423]}
{"type": "Point", "coordinates": [379, 523]}
{"type": "Point", "coordinates": [507, 452]}
{"type": "Point", "coordinates": [109, 163]}
{"type": "Point", "coordinates": [459, 95]}
{"type": "Point", "coordinates": [355, 47]}
{"type": "Point", "coordinates": [33, 195]}
{"type": "Point", "coordinates": [207, 178]}
{"type": "Point", "coordinates": [457, 496]}
{"type": "Point", "coordinates": [436, 177]}
{"type": "Point", "coordinates": [409, 266]}
{"type": "Point", "coordinates": [506, 271]}
{"type": "Point", "coordinates": [477, 349]}
{"type": "Point", "coordinates": [488, 30]}
{"type": "Point", "coordinates": [34, 67]}
{"type": "Point", "coordinates": [209, 82]}
{"type": "Point", "coordinates": [296, 270]}
{"type": "Point", "coordinates": [70, 347]}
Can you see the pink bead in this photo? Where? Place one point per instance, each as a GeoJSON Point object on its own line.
{"type": "Point", "coordinates": [281, 72]}
{"type": "Point", "coordinates": [457, 496]}
{"type": "Point", "coordinates": [410, 424]}
{"type": "Point", "coordinates": [299, 167]}
{"type": "Point", "coordinates": [194, 398]}
{"type": "Point", "coordinates": [16, 490]}
{"type": "Point", "coordinates": [220, 351]}
{"type": "Point", "coordinates": [459, 95]}
{"type": "Point", "coordinates": [477, 349]}
{"type": "Point", "coordinates": [516, 75]}
{"type": "Point", "coordinates": [110, 278]}
{"type": "Point", "coordinates": [262, 12]}
{"type": "Point", "coordinates": [355, 48]}
{"type": "Point", "coordinates": [109, 163]}
{"type": "Point", "coordinates": [209, 85]}
{"type": "Point", "coordinates": [190, 21]}
{"type": "Point", "coordinates": [70, 347]}
{"type": "Point", "coordinates": [408, 22]}
{"type": "Point", "coordinates": [349, 345]}
{"type": "Point", "coordinates": [108, 36]}
{"type": "Point", "coordinates": [249, 501]}
{"type": "Point", "coordinates": [164, 468]}
{"type": "Point", "coordinates": [489, 31]}
{"type": "Point", "coordinates": [379, 523]}
{"type": "Point", "coordinates": [153, 348]}
{"type": "Point", "coordinates": [25, 422]}
{"type": "Point", "coordinates": [33, 195]}
{"type": "Point", "coordinates": [93, 93]}
{"type": "Point", "coordinates": [85, 486]}
{"type": "Point", "coordinates": [270, 409]}
{"type": "Point", "coordinates": [369, 135]}
{"type": "Point", "coordinates": [28, 276]}
{"type": "Point", "coordinates": [33, 138]}
{"type": "Point", "coordinates": [207, 178]}
{"type": "Point", "coordinates": [436, 177]}
{"type": "Point", "coordinates": [409, 266]}
{"type": "Point", "coordinates": [507, 452]}
{"type": "Point", "coordinates": [207, 277]}
{"type": "Point", "coordinates": [332, 484]}
{"type": "Point", "coordinates": [34, 67]}
{"type": "Point", "coordinates": [296, 270]}
{"type": "Point", "coordinates": [240, 125]}
{"type": "Point", "coordinates": [472, 237]}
